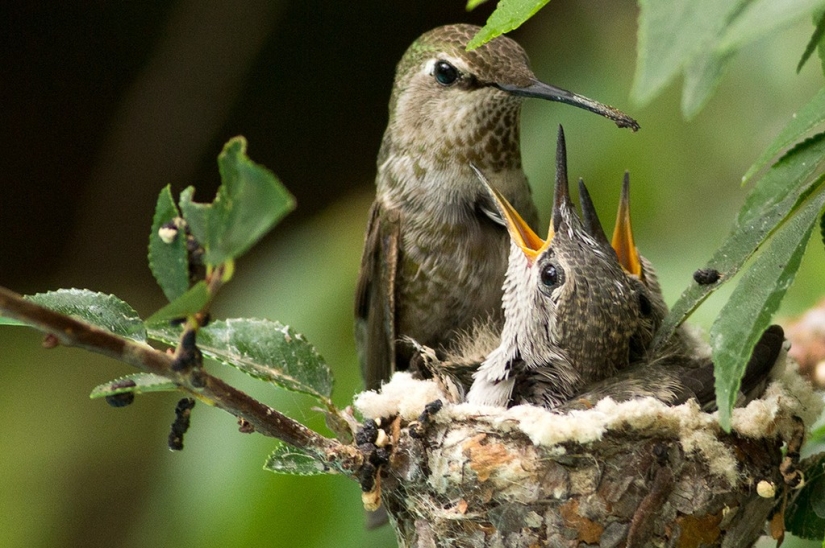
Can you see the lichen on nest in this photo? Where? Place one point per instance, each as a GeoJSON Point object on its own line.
{"type": "Point", "coordinates": [772, 416]}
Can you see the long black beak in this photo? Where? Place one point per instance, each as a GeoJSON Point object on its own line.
{"type": "Point", "coordinates": [540, 90]}
{"type": "Point", "coordinates": [590, 219]}
{"type": "Point", "coordinates": [562, 204]}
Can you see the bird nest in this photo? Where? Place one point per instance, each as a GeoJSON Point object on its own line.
{"type": "Point", "coordinates": [636, 473]}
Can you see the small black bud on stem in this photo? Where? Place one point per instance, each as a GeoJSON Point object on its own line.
{"type": "Point", "coordinates": [366, 477]}
{"type": "Point", "coordinates": [244, 426]}
{"type": "Point", "coordinates": [417, 428]}
{"type": "Point", "coordinates": [706, 276]}
{"type": "Point", "coordinates": [124, 398]}
{"type": "Point", "coordinates": [188, 355]}
{"type": "Point", "coordinates": [368, 433]}
{"type": "Point", "coordinates": [121, 400]}
{"type": "Point", "coordinates": [183, 412]}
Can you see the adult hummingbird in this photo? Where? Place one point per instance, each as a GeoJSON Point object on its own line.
{"type": "Point", "coordinates": [435, 252]}
{"type": "Point", "coordinates": [570, 310]}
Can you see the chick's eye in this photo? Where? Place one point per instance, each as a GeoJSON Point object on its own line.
{"type": "Point", "coordinates": [549, 275]}
{"type": "Point", "coordinates": [445, 74]}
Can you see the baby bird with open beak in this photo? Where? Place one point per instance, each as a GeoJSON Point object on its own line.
{"type": "Point", "coordinates": [570, 309]}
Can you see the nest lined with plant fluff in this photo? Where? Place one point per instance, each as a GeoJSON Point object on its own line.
{"type": "Point", "coordinates": [636, 473]}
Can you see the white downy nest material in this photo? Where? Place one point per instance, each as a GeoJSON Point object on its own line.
{"type": "Point", "coordinates": [770, 416]}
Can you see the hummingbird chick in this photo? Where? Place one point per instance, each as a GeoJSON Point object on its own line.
{"type": "Point", "coordinates": [435, 253]}
{"type": "Point", "coordinates": [570, 309]}
{"type": "Point", "coordinates": [676, 378]}
{"type": "Point", "coordinates": [541, 360]}
{"type": "Point", "coordinates": [640, 273]}
{"type": "Point", "coordinates": [459, 362]}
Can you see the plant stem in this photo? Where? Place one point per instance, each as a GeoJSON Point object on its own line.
{"type": "Point", "coordinates": [266, 420]}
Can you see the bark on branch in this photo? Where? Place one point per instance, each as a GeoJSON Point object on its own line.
{"type": "Point", "coordinates": [196, 381]}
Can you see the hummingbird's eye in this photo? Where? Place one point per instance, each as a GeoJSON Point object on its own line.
{"type": "Point", "coordinates": [445, 74]}
{"type": "Point", "coordinates": [551, 275]}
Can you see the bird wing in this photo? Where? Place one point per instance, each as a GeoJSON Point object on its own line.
{"type": "Point", "coordinates": [762, 363]}
{"type": "Point", "coordinates": [375, 330]}
{"type": "Point", "coordinates": [758, 372]}
{"type": "Point", "coordinates": [679, 378]}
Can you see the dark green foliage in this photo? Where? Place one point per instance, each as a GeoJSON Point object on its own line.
{"type": "Point", "coordinates": [508, 15]}
{"type": "Point", "coordinates": [815, 43]}
{"type": "Point", "coordinates": [249, 202]}
{"type": "Point", "coordinates": [168, 259]}
{"type": "Point", "coordinates": [805, 514]}
{"type": "Point", "coordinates": [263, 349]}
{"type": "Point", "coordinates": [139, 383]}
{"type": "Point", "coordinates": [285, 459]}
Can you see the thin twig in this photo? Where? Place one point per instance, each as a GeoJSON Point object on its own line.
{"type": "Point", "coordinates": [266, 420]}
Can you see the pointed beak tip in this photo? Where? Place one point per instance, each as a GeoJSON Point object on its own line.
{"type": "Point", "coordinates": [629, 123]}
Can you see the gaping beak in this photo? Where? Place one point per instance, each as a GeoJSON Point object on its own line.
{"type": "Point", "coordinates": [520, 232]}
{"type": "Point", "coordinates": [541, 90]}
{"type": "Point", "coordinates": [623, 234]}
{"type": "Point", "coordinates": [592, 224]}
{"type": "Point", "coordinates": [563, 208]}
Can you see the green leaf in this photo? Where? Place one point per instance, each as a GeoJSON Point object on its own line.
{"type": "Point", "coordinates": [249, 202]}
{"type": "Point", "coordinates": [808, 117]}
{"type": "Point", "coordinates": [699, 37]}
{"type": "Point", "coordinates": [820, 50]}
{"type": "Point", "coordinates": [702, 77]}
{"type": "Point", "coordinates": [263, 349]}
{"type": "Point", "coordinates": [198, 216]}
{"type": "Point", "coordinates": [815, 42]}
{"type": "Point", "coordinates": [190, 302]}
{"type": "Point", "coordinates": [473, 4]}
{"type": "Point", "coordinates": [817, 434]}
{"type": "Point", "coordinates": [508, 15]}
{"type": "Point", "coordinates": [761, 18]}
{"type": "Point", "coordinates": [286, 459]}
{"type": "Point", "coordinates": [671, 34]}
{"type": "Point", "coordinates": [104, 311]}
{"type": "Point", "coordinates": [12, 321]}
{"type": "Point", "coordinates": [805, 514]}
{"type": "Point", "coordinates": [772, 201]}
{"type": "Point", "coordinates": [822, 228]}
{"type": "Point", "coordinates": [797, 165]}
{"type": "Point", "coordinates": [750, 307]}
{"type": "Point", "coordinates": [139, 383]}
{"type": "Point", "coordinates": [168, 260]}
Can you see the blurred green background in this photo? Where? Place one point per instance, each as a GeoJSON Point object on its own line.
{"type": "Point", "coordinates": [103, 105]}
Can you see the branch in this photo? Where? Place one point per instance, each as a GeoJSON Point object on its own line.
{"type": "Point", "coordinates": [266, 420]}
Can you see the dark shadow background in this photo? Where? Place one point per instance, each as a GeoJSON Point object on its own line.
{"type": "Point", "coordinates": [104, 103]}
